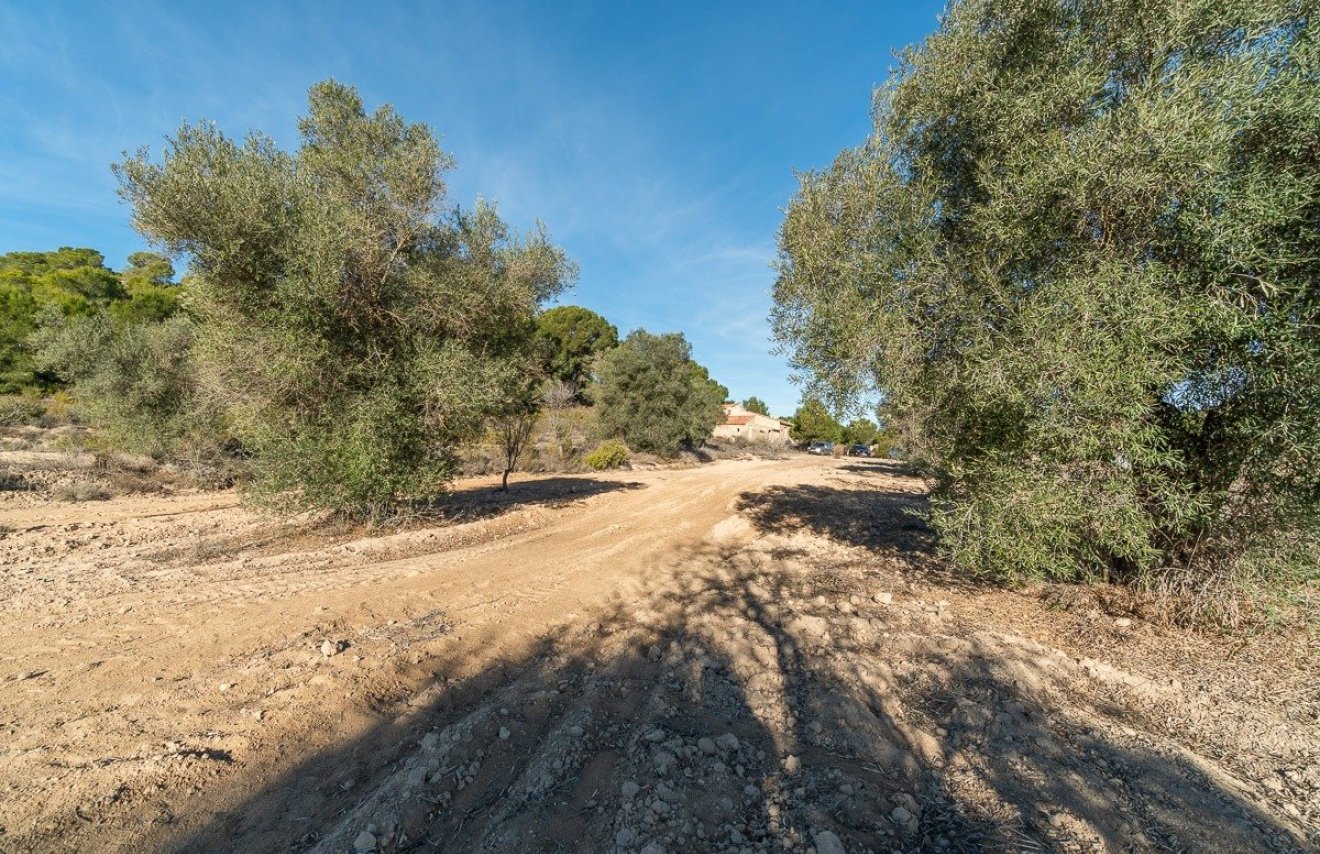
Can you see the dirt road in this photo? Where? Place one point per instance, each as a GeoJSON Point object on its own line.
{"type": "Point", "coordinates": [750, 655]}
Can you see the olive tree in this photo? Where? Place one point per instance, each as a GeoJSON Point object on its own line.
{"type": "Point", "coordinates": [1079, 255]}
{"type": "Point", "coordinates": [352, 327]}
{"type": "Point", "coordinates": [653, 396]}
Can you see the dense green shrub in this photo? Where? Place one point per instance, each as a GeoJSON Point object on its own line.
{"type": "Point", "coordinates": [352, 334]}
{"type": "Point", "coordinates": [136, 381]}
{"type": "Point", "coordinates": [1079, 256]}
{"type": "Point", "coordinates": [654, 397]}
{"type": "Point", "coordinates": [609, 454]}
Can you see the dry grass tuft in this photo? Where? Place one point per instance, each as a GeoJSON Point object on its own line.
{"type": "Point", "coordinates": [81, 490]}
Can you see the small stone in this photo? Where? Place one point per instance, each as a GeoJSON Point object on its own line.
{"type": "Point", "coordinates": [792, 765]}
{"type": "Point", "coordinates": [901, 815]}
{"type": "Point", "coordinates": [624, 838]}
{"type": "Point", "coordinates": [728, 741]}
{"type": "Point", "coordinates": [810, 627]}
{"type": "Point", "coordinates": [1123, 623]}
{"type": "Point", "coordinates": [653, 652]}
{"type": "Point", "coordinates": [707, 746]}
{"type": "Point", "coordinates": [1056, 820]}
{"type": "Point", "coordinates": [629, 790]}
{"type": "Point", "coordinates": [828, 842]}
{"type": "Point", "coordinates": [329, 648]}
{"type": "Point", "coordinates": [883, 598]}
{"type": "Point", "coordinates": [365, 841]}
{"type": "Point", "coordinates": [664, 760]}
{"type": "Point", "coordinates": [504, 733]}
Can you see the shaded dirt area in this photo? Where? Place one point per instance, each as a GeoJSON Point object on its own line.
{"type": "Point", "coordinates": [744, 656]}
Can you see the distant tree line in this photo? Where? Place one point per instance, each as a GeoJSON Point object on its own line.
{"type": "Point", "coordinates": [38, 289]}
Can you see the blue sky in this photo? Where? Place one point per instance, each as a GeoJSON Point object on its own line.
{"type": "Point", "coordinates": [657, 142]}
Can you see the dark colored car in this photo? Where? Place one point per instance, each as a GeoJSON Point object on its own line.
{"type": "Point", "coordinates": [823, 449]}
{"type": "Point", "coordinates": [859, 451]}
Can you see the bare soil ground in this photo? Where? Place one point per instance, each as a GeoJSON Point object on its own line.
{"type": "Point", "coordinates": [754, 655]}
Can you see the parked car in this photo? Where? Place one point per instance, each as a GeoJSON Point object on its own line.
{"type": "Point", "coordinates": [859, 451]}
{"type": "Point", "coordinates": [823, 449]}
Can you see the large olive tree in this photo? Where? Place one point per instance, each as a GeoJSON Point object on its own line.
{"type": "Point", "coordinates": [1079, 255]}
{"type": "Point", "coordinates": [352, 329]}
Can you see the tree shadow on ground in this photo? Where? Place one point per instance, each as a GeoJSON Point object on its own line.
{"type": "Point", "coordinates": [469, 503]}
{"type": "Point", "coordinates": [745, 700]}
{"type": "Point", "coordinates": [875, 519]}
{"type": "Point", "coordinates": [478, 502]}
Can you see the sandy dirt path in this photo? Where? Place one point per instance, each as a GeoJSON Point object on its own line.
{"type": "Point", "coordinates": [158, 637]}
{"type": "Point", "coordinates": [746, 656]}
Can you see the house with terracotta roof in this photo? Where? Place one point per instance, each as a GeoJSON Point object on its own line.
{"type": "Point", "coordinates": [750, 426]}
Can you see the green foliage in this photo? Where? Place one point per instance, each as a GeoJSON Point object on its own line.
{"type": "Point", "coordinates": [352, 334]}
{"type": "Point", "coordinates": [654, 397]}
{"type": "Point", "coordinates": [152, 293]}
{"type": "Point", "coordinates": [861, 431]}
{"type": "Point", "coordinates": [137, 381]}
{"type": "Point", "coordinates": [609, 454]}
{"type": "Point", "coordinates": [1079, 253]}
{"type": "Point", "coordinates": [813, 423]}
{"type": "Point", "coordinates": [755, 404]}
{"type": "Point", "coordinates": [572, 338]}
{"type": "Point", "coordinates": [888, 442]}
{"type": "Point", "coordinates": [41, 287]}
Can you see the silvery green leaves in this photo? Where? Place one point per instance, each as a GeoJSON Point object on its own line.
{"type": "Point", "coordinates": [1077, 255]}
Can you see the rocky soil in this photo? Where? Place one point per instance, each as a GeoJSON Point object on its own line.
{"type": "Point", "coordinates": [748, 656]}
